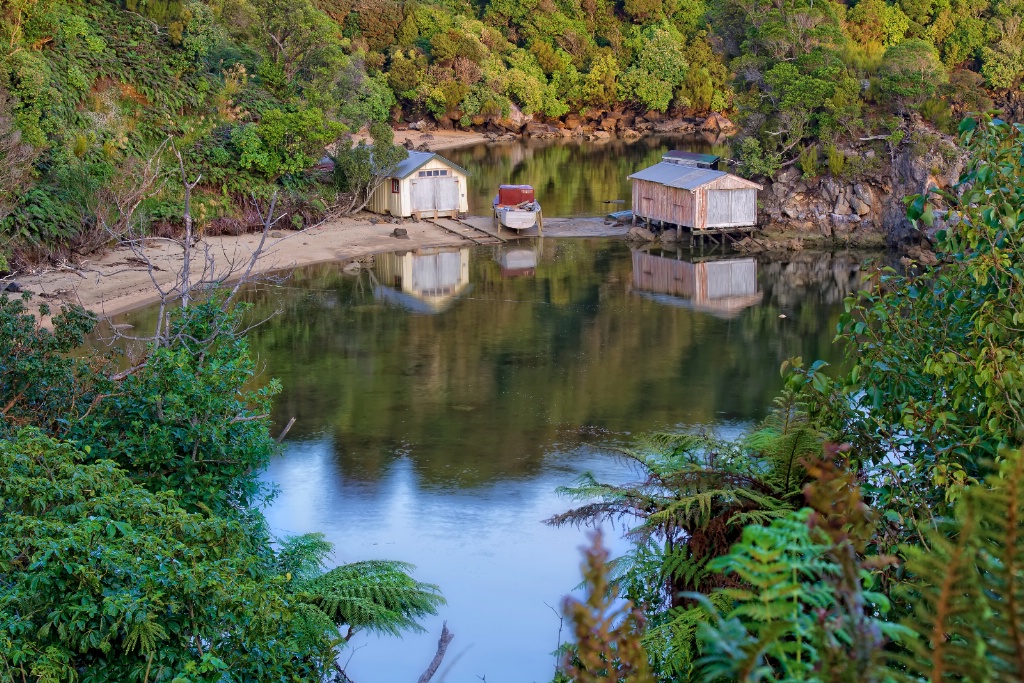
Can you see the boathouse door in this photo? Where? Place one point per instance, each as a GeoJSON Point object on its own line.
{"type": "Point", "coordinates": [435, 190]}
{"type": "Point", "coordinates": [731, 207]}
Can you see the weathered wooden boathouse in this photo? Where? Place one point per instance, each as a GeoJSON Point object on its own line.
{"type": "Point", "coordinates": [684, 191]}
{"type": "Point", "coordinates": [425, 185]}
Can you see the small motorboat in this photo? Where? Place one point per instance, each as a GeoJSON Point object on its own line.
{"type": "Point", "coordinates": [516, 208]}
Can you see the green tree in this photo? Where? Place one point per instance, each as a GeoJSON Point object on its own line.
{"type": "Point", "coordinates": [658, 71]}
{"type": "Point", "coordinates": [938, 355]}
{"type": "Point", "coordinates": [108, 581]}
{"type": "Point", "coordinates": [360, 169]}
{"type": "Point", "coordinates": [1003, 63]}
{"type": "Point", "coordinates": [911, 72]}
{"type": "Point", "coordinates": [284, 142]}
{"type": "Point", "coordinates": [876, 21]}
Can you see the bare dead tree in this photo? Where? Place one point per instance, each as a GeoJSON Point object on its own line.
{"type": "Point", "coordinates": [116, 205]}
{"type": "Point", "coordinates": [341, 676]}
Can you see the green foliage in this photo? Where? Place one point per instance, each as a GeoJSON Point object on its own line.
{"type": "Point", "coordinates": [106, 580]}
{"type": "Point", "coordinates": [607, 647]}
{"type": "Point", "coordinates": [876, 21]}
{"type": "Point", "coordinates": [836, 161]}
{"type": "Point", "coordinates": [808, 162]}
{"type": "Point", "coordinates": [1003, 63]}
{"type": "Point", "coordinates": [755, 161]}
{"type": "Point", "coordinates": [966, 587]}
{"type": "Point", "coordinates": [360, 169]}
{"type": "Point", "coordinates": [659, 70]}
{"type": "Point", "coordinates": [374, 595]}
{"type": "Point", "coordinates": [284, 142]}
{"type": "Point", "coordinates": [939, 355]}
{"type": "Point", "coordinates": [131, 547]}
{"type": "Point", "coordinates": [911, 72]}
{"type": "Point", "coordinates": [698, 495]}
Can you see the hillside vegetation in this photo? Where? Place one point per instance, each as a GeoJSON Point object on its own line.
{"type": "Point", "coordinates": [251, 91]}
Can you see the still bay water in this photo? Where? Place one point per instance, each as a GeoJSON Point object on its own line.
{"type": "Point", "coordinates": [572, 178]}
{"type": "Point", "coordinates": [441, 396]}
{"type": "Point", "coordinates": [434, 428]}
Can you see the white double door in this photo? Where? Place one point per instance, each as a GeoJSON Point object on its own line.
{"type": "Point", "coordinates": [436, 193]}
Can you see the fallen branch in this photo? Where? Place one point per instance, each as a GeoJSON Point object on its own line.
{"type": "Point", "coordinates": [442, 647]}
{"type": "Point", "coordinates": [284, 432]}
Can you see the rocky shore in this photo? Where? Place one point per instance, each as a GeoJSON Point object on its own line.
{"type": "Point", "coordinates": [591, 124]}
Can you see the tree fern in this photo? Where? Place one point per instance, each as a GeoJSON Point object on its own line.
{"type": "Point", "coordinates": [375, 595]}
{"type": "Point", "coordinates": [968, 587]}
{"type": "Point", "coordinates": [784, 440]}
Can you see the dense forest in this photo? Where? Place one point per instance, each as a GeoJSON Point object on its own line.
{"type": "Point", "coordinates": [252, 91]}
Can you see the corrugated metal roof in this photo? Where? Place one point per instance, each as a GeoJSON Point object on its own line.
{"type": "Point", "coordinates": [677, 175]}
{"type": "Point", "coordinates": [682, 177]}
{"type": "Point", "coordinates": [416, 160]}
{"type": "Point", "coordinates": [695, 177]}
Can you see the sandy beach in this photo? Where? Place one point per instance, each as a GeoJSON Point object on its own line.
{"type": "Point", "coordinates": [118, 280]}
{"type": "Point", "coordinates": [434, 140]}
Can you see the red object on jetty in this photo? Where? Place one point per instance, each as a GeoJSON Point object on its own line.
{"type": "Point", "coordinates": [513, 195]}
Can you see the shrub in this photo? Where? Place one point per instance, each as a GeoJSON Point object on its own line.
{"type": "Point", "coordinates": [809, 161]}
{"type": "Point", "coordinates": [836, 160]}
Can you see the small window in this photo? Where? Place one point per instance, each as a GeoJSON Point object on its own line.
{"type": "Point", "coordinates": [394, 186]}
{"type": "Point", "coordinates": [423, 174]}
{"type": "Point", "coordinates": [442, 173]}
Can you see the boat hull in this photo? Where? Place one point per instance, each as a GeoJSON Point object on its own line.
{"type": "Point", "coordinates": [516, 218]}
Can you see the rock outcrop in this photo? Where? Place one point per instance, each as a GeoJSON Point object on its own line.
{"type": "Point", "coordinates": [866, 210]}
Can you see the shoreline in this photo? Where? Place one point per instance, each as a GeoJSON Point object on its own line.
{"type": "Point", "coordinates": [110, 283]}
{"type": "Point", "coordinates": [117, 281]}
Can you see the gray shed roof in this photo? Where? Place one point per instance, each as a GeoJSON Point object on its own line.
{"type": "Point", "coordinates": [679, 176]}
{"type": "Point", "coordinates": [416, 160]}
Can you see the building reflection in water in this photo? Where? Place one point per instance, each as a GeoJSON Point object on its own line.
{"type": "Point", "coordinates": [424, 281]}
{"type": "Point", "coordinates": [518, 263]}
{"type": "Point", "coordinates": [722, 287]}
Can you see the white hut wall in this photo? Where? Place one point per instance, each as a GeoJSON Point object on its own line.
{"type": "Point", "coordinates": [657, 202]}
{"type": "Point", "coordinates": [737, 277]}
{"type": "Point", "coordinates": [410, 198]}
{"type": "Point", "coordinates": [727, 202]}
{"type": "Point", "coordinates": [394, 270]}
{"type": "Point", "coordinates": [380, 200]}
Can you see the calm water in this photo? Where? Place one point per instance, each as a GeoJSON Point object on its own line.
{"type": "Point", "coordinates": [570, 177]}
{"type": "Point", "coordinates": [441, 397]}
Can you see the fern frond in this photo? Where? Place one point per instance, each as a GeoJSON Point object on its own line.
{"type": "Point", "coordinates": [376, 595]}
{"type": "Point", "coordinates": [1002, 554]}
{"type": "Point", "coordinates": [946, 599]}
{"type": "Point", "coordinates": [303, 557]}
{"type": "Point", "coordinates": [143, 632]}
{"type": "Point", "coordinates": [671, 640]}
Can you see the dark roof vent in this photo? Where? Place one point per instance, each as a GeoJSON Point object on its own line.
{"type": "Point", "coordinates": [692, 159]}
